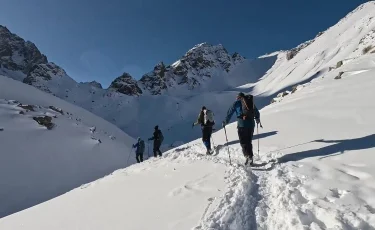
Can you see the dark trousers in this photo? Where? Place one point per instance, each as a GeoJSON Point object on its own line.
{"type": "Point", "coordinates": [245, 135]}
{"type": "Point", "coordinates": [139, 157]}
{"type": "Point", "coordinates": [157, 149]}
{"type": "Point", "coordinates": [206, 136]}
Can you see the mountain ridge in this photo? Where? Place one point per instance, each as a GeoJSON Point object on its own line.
{"type": "Point", "coordinates": [208, 74]}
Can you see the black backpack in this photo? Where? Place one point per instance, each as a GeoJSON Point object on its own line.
{"type": "Point", "coordinates": [141, 146]}
{"type": "Point", "coordinates": [159, 136]}
{"type": "Point", "coordinates": [248, 111]}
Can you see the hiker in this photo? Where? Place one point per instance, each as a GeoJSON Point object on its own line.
{"type": "Point", "coordinates": [140, 148]}
{"type": "Point", "coordinates": [246, 111]}
{"type": "Point", "coordinates": [158, 139]}
{"type": "Point", "coordinates": [206, 120]}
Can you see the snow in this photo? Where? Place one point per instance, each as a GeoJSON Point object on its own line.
{"type": "Point", "coordinates": [314, 163]}
{"type": "Point", "coordinates": [37, 164]}
{"type": "Point", "coordinates": [315, 171]}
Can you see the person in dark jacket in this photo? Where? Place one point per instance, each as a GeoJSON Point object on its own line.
{"type": "Point", "coordinates": [205, 119]}
{"type": "Point", "coordinates": [158, 139]}
{"type": "Point", "coordinates": [245, 125]}
{"type": "Point", "coordinates": [139, 149]}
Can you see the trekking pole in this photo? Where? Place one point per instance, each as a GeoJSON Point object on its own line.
{"type": "Point", "coordinates": [148, 149]}
{"type": "Point", "coordinates": [127, 162]}
{"type": "Point", "coordinates": [213, 143]}
{"type": "Point", "coordinates": [226, 137]}
{"type": "Point", "coordinates": [258, 138]}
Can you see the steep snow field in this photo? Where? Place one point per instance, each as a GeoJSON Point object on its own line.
{"type": "Point", "coordinates": [37, 164]}
{"type": "Point", "coordinates": [316, 171]}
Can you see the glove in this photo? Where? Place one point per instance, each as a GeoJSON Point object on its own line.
{"type": "Point", "coordinates": [224, 123]}
{"type": "Point", "coordinates": [257, 121]}
{"type": "Point", "coordinates": [192, 126]}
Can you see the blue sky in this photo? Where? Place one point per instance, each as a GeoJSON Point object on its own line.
{"type": "Point", "coordinates": [98, 40]}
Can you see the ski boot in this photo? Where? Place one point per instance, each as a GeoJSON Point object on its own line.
{"type": "Point", "coordinates": [249, 159]}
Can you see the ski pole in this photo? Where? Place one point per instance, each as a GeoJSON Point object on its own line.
{"type": "Point", "coordinates": [226, 137]}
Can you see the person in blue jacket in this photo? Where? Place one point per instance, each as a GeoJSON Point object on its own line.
{"type": "Point", "coordinates": [139, 149]}
{"type": "Point", "coordinates": [246, 112]}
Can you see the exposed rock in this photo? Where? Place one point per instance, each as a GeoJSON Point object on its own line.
{"type": "Point", "coordinates": [339, 64]}
{"type": "Point", "coordinates": [17, 54]}
{"type": "Point", "coordinates": [155, 81]}
{"type": "Point", "coordinates": [41, 74]}
{"type": "Point", "coordinates": [293, 52]}
{"type": "Point", "coordinates": [27, 107]}
{"type": "Point", "coordinates": [367, 49]}
{"type": "Point", "coordinates": [96, 139]}
{"type": "Point", "coordinates": [127, 85]}
{"type": "Point", "coordinates": [96, 84]}
{"type": "Point", "coordinates": [296, 88]}
{"type": "Point", "coordinates": [283, 94]}
{"type": "Point", "coordinates": [45, 121]}
{"type": "Point", "coordinates": [57, 110]}
{"type": "Point", "coordinates": [339, 76]}
{"type": "Point", "coordinates": [198, 64]}
{"type": "Point", "coordinates": [290, 54]}
{"type": "Point", "coordinates": [93, 129]}
{"type": "Point", "coordinates": [44, 72]}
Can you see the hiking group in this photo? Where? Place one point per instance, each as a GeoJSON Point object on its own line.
{"type": "Point", "coordinates": [247, 115]}
{"type": "Point", "coordinates": [140, 145]}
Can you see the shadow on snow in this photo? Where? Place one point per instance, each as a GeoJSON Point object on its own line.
{"type": "Point", "coordinates": [339, 147]}
{"type": "Point", "coordinates": [256, 137]}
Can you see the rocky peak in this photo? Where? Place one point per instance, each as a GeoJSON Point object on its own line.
{"type": "Point", "coordinates": [126, 84]}
{"type": "Point", "coordinates": [155, 80]}
{"type": "Point", "coordinates": [40, 74]}
{"type": "Point", "coordinates": [96, 84]}
{"type": "Point", "coordinates": [237, 58]}
{"type": "Point", "coordinates": [202, 61]}
{"type": "Point", "coordinates": [17, 54]}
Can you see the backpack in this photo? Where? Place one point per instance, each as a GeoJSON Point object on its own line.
{"type": "Point", "coordinates": [209, 117]}
{"type": "Point", "coordinates": [160, 136]}
{"type": "Point", "coordinates": [141, 146]}
{"type": "Point", "coordinates": [248, 112]}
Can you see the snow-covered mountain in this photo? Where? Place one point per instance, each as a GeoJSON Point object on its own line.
{"type": "Point", "coordinates": [49, 146]}
{"type": "Point", "coordinates": [165, 91]}
{"type": "Point", "coordinates": [314, 164]}
{"type": "Point", "coordinates": [17, 57]}
{"type": "Point", "coordinates": [315, 170]}
{"type": "Point", "coordinates": [193, 70]}
{"type": "Point", "coordinates": [205, 75]}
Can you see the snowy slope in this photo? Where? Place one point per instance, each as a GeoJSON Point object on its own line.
{"type": "Point", "coordinates": [37, 164]}
{"type": "Point", "coordinates": [342, 42]}
{"type": "Point", "coordinates": [315, 171]}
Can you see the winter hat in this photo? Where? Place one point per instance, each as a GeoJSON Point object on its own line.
{"type": "Point", "coordinates": [157, 127]}
{"type": "Point", "coordinates": [204, 108]}
{"type": "Point", "coordinates": [138, 139]}
{"type": "Point", "coordinates": [241, 95]}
